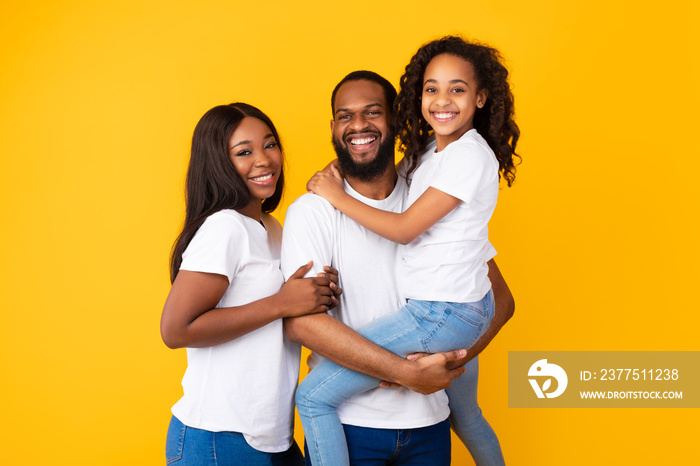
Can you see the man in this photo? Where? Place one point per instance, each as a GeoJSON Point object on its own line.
{"type": "Point", "coordinates": [383, 424]}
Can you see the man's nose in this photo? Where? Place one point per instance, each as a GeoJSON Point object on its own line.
{"type": "Point", "coordinates": [359, 123]}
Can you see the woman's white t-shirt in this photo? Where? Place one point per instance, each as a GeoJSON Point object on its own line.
{"type": "Point", "coordinates": [245, 385]}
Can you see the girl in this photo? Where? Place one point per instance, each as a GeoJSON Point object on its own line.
{"type": "Point", "coordinates": [458, 93]}
{"type": "Point", "coordinates": [228, 297]}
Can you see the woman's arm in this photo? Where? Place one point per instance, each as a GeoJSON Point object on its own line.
{"type": "Point", "coordinates": [401, 228]}
{"type": "Point", "coordinates": [190, 319]}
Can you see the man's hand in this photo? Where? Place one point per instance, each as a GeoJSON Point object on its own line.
{"type": "Point", "coordinates": [428, 373]}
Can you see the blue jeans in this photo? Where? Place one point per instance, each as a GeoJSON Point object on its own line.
{"type": "Point", "coordinates": [469, 423]}
{"type": "Point", "coordinates": [423, 446]}
{"type": "Point", "coordinates": [426, 326]}
{"type": "Point", "coordinates": [188, 446]}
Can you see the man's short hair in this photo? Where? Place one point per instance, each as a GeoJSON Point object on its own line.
{"type": "Point", "coordinates": [389, 91]}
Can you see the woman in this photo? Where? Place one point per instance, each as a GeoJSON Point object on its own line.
{"type": "Point", "coordinates": [228, 297]}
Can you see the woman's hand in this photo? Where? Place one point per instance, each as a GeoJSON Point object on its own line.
{"type": "Point", "coordinates": [328, 184]}
{"type": "Point", "coordinates": [300, 296]}
{"type": "Point", "coordinates": [190, 318]}
{"type": "Point", "coordinates": [332, 274]}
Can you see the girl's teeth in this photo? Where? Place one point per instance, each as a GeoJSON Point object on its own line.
{"type": "Point", "coordinates": [262, 178]}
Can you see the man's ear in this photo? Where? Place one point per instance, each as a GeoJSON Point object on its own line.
{"type": "Point", "coordinates": [332, 124]}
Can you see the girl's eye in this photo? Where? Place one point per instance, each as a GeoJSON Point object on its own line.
{"type": "Point", "coordinates": [458, 90]}
{"type": "Point", "coordinates": [244, 152]}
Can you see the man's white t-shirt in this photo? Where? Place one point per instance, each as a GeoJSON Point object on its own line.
{"type": "Point", "coordinates": [314, 230]}
{"type": "Point", "coordinates": [448, 262]}
{"type": "Point", "coordinates": [245, 385]}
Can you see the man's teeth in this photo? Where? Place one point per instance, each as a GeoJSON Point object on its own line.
{"type": "Point", "coordinates": [262, 178]}
{"type": "Point", "coordinates": [359, 142]}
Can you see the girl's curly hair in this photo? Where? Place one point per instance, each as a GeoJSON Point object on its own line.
{"type": "Point", "coordinates": [494, 122]}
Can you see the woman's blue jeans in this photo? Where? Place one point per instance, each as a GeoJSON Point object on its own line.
{"type": "Point", "coordinates": [419, 326]}
{"type": "Point", "coordinates": [188, 446]}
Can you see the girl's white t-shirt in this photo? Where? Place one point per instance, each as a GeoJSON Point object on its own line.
{"type": "Point", "coordinates": [245, 385]}
{"type": "Point", "coordinates": [448, 262]}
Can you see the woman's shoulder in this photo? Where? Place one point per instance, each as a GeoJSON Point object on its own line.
{"type": "Point", "coordinates": [224, 217]}
{"type": "Point", "coordinates": [271, 223]}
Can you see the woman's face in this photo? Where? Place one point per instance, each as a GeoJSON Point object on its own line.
{"type": "Point", "coordinates": [256, 156]}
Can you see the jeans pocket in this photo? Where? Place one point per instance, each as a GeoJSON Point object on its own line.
{"type": "Point", "coordinates": [175, 441]}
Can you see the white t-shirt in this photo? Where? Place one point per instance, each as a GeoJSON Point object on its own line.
{"type": "Point", "coordinates": [245, 385]}
{"type": "Point", "coordinates": [448, 262]}
{"type": "Point", "coordinates": [314, 230]}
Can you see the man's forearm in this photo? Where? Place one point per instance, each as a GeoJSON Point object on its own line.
{"type": "Point", "coordinates": [504, 310]}
{"type": "Point", "coordinates": [336, 341]}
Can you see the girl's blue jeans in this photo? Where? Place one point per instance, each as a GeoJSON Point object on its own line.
{"type": "Point", "coordinates": [419, 326]}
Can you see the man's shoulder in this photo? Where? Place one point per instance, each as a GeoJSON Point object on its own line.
{"type": "Point", "coordinates": [310, 203]}
{"type": "Point", "coordinates": [310, 209]}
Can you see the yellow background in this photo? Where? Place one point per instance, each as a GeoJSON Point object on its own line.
{"type": "Point", "coordinates": [98, 100]}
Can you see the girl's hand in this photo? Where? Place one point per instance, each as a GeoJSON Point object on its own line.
{"type": "Point", "coordinates": [328, 184]}
{"type": "Point", "coordinates": [300, 296]}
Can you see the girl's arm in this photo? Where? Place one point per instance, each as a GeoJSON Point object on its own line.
{"type": "Point", "coordinates": [190, 319]}
{"type": "Point", "coordinates": [402, 228]}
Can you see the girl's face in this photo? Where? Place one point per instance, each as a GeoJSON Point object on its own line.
{"type": "Point", "coordinates": [450, 97]}
{"type": "Point", "coordinates": [256, 156]}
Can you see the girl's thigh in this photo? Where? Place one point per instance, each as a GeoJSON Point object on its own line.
{"type": "Point", "coordinates": [431, 326]}
{"type": "Point", "coordinates": [190, 446]}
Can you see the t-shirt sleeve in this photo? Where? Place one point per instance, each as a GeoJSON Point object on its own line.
{"type": "Point", "coordinates": [218, 247]}
{"type": "Point", "coordinates": [463, 169]}
{"type": "Point", "coordinates": [307, 235]}
{"type": "Point", "coordinates": [490, 251]}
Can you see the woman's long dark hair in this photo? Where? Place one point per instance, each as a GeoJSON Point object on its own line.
{"type": "Point", "coordinates": [212, 182]}
{"type": "Point", "coordinates": [494, 122]}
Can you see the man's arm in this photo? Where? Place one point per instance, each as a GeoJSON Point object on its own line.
{"type": "Point", "coordinates": [336, 341]}
{"type": "Point", "coordinates": [504, 310]}
{"type": "Point", "coordinates": [307, 236]}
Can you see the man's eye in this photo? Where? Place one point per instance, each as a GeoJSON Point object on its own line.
{"type": "Point", "coordinates": [344, 117]}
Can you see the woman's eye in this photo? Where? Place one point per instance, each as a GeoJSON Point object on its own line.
{"type": "Point", "coordinates": [271, 145]}
{"type": "Point", "coordinates": [244, 152]}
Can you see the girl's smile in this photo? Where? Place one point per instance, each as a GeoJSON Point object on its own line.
{"type": "Point", "coordinates": [450, 97]}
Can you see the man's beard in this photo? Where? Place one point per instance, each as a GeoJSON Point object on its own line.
{"type": "Point", "coordinates": [370, 170]}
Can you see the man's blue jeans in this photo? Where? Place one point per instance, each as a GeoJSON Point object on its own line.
{"type": "Point", "coordinates": [423, 446]}
{"type": "Point", "coordinates": [196, 447]}
{"type": "Point", "coordinates": [418, 326]}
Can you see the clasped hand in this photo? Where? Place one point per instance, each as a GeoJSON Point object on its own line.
{"type": "Point", "coordinates": [327, 183]}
